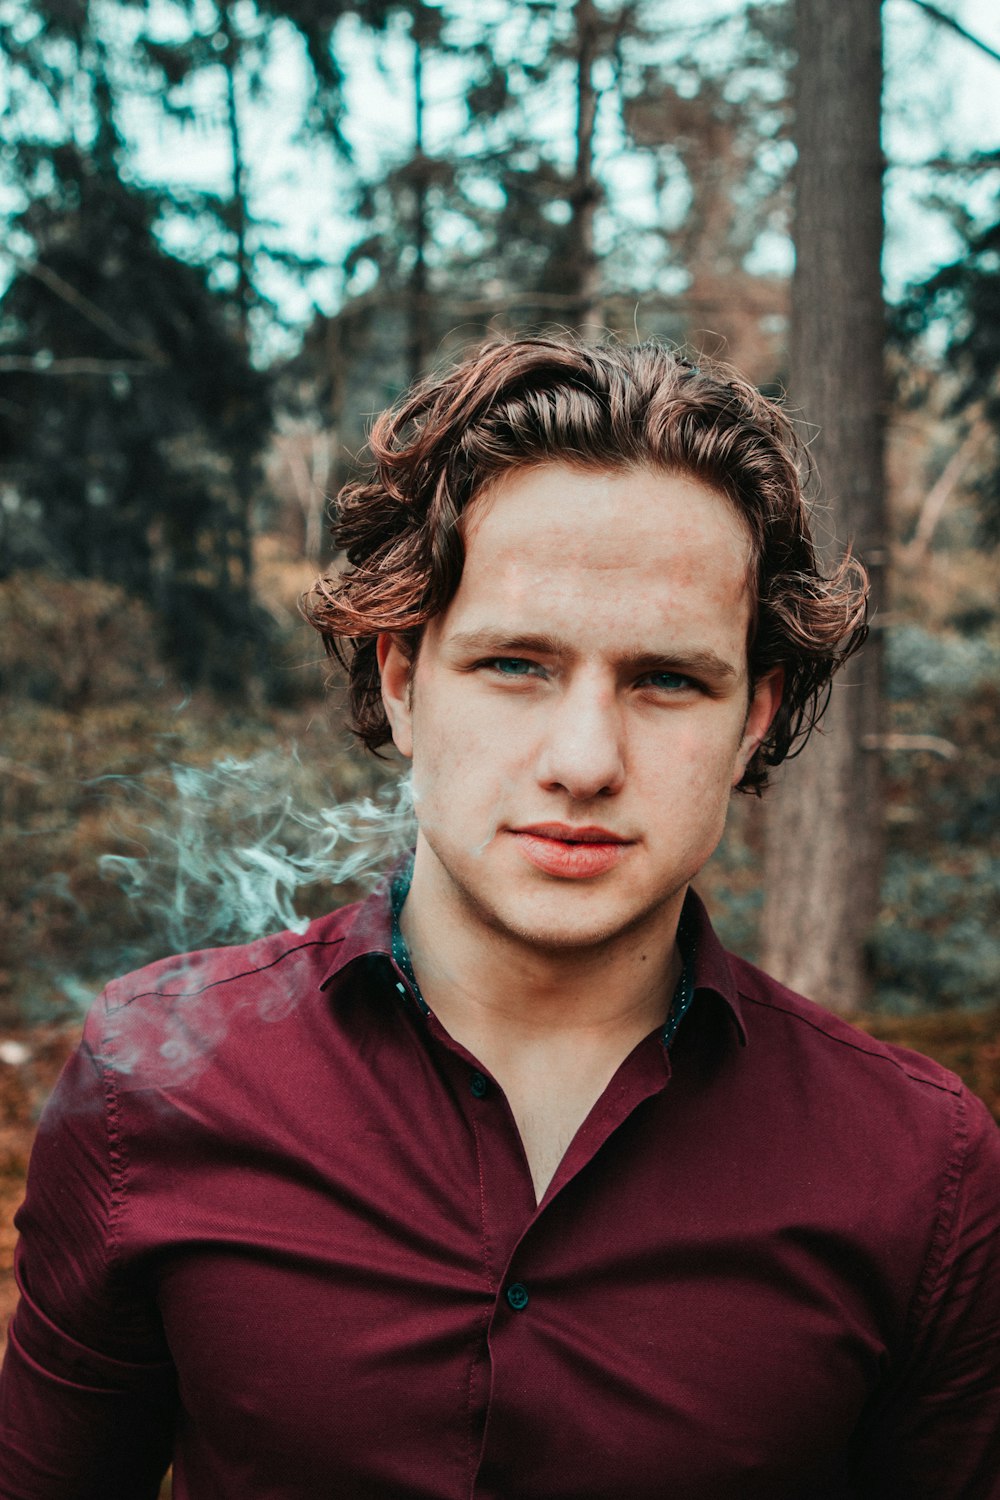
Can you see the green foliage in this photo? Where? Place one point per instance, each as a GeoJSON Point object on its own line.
{"type": "Point", "coordinates": [934, 943]}
{"type": "Point", "coordinates": [961, 301]}
{"type": "Point", "coordinates": [944, 667]}
{"type": "Point", "coordinates": [128, 417]}
{"type": "Point", "coordinates": [130, 411]}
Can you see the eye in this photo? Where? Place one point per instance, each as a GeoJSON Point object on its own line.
{"type": "Point", "coordinates": [668, 682]}
{"type": "Point", "coordinates": [511, 666]}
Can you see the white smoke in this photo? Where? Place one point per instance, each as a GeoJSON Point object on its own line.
{"type": "Point", "coordinates": [230, 851]}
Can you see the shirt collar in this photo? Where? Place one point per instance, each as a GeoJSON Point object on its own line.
{"type": "Point", "coordinates": [369, 933]}
{"type": "Point", "coordinates": [712, 969]}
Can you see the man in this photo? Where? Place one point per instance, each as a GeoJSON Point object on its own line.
{"type": "Point", "coordinates": [510, 1182]}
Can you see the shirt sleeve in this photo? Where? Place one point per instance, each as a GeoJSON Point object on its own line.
{"type": "Point", "coordinates": [938, 1435]}
{"type": "Point", "coordinates": [87, 1390]}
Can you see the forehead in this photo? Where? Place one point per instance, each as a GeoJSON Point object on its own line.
{"type": "Point", "coordinates": [627, 552]}
{"type": "Point", "coordinates": [562, 500]}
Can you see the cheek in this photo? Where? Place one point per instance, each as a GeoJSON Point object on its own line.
{"type": "Point", "coordinates": [689, 782]}
{"type": "Point", "coordinates": [451, 768]}
{"type": "Point", "coordinates": [701, 752]}
{"type": "Point", "coordinates": [467, 784]}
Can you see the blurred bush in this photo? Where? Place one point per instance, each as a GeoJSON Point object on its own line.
{"type": "Point", "coordinates": [73, 643]}
{"type": "Point", "coordinates": [921, 662]}
{"type": "Point", "coordinates": [94, 729]}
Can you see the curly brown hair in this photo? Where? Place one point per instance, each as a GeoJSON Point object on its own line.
{"type": "Point", "coordinates": [522, 402]}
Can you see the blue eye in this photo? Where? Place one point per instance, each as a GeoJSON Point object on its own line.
{"type": "Point", "coordinates": [669, 682]}
{"type": "Point", "coordinates": [512, 666]}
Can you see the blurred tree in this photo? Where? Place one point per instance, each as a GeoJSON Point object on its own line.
{"type": "Point", "coordinates": [424, 24]}
{"type": "Point", "coordinates": [824, 825]}
{"type": "Point", "coordinates": [585, 193]}
{"type": "Point", "coordinates": [128, 402]}
{"type": "Point", "coordinates": [714, 115]}
{"type": "Point", "coordinates": [213, 73]}
{"type": "Point", "coordinates": [528, 214]}
{"type": "Point", "coordinates": [963, 300]}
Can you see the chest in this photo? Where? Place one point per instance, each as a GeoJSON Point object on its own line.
{"type": "Point", "coordinates": [422, 1386]}
{"type": "Point", "coordinates": [395, 1310]}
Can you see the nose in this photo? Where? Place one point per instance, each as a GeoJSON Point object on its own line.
{"type": "Point", "coordinates": [582, 752]}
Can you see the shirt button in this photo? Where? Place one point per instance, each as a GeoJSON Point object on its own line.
{"type": "Point", "coordinates": [478, 1085]}
{"type": "Point", "coordinates": [517, 1296]}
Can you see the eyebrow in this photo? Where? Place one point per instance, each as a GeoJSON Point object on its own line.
{"type": "Point", "coordinates": [488, 642]}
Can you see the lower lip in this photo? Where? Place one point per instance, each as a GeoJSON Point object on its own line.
{"type": "Point", "coordinates": [570, 861]}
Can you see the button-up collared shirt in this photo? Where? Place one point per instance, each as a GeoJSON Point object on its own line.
{"type": "Point", "coordinates": [280, 1229]}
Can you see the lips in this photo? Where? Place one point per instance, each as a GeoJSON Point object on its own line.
{"type": "Point", "coordinates": [568, 833]}
{"type": "Point", "coordinates": [571, 853]}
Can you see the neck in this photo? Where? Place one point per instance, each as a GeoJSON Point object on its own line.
{"type": "Point", "coordinates": [482, 981]}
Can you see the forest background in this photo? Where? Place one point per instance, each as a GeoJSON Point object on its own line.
{"type": "Point", "coordinates": [235, 229]}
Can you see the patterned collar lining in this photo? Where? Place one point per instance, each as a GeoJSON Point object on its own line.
{"type": "Point", "coordinates": [679, 1006]}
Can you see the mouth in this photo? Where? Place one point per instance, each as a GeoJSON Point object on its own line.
{"type": "Point", "coordinates": [568, 852]}
{"type": "Point", "coordinates": [568, 833]}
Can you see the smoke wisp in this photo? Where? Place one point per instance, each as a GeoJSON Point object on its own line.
{"type": "Point", "coordinates": [229, 852]}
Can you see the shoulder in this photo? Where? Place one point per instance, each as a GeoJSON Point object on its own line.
{"type": "Point", "coordinates": [895, 1138]}
{"type": "Point", "coordinates": [867, 1109]}
{"type": "Point", "coordinates": [160, 1024]}
{"type": "Point", "coordinates": [183, 975]}
{"type": "Point", "coordinates": [778, 1016]}
{"type": "Point", "coordinates": [863, 1105]}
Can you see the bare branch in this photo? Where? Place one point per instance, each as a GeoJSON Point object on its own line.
{"type": "Point", "coordinates": [932, 744]}
{"type": "Point", "coordinates": [88, 309]}
{"type": "Point", "coordinates": [941, 491]}
{"type": "Point", "coordinates": [956, 26]}
{"type": "Point", "coordinates": [27, 364]}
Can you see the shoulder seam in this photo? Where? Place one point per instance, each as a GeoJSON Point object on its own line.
{"type": "Point", "coordinates": [943, 1086]}
{"type": "Point", "coordinates": [226, 978]}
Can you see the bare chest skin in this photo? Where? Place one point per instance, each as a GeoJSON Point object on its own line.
{"type": "Point", "coordinates": [551, 1085]}
{"type": "Point", "coordinates": [548, 1120]}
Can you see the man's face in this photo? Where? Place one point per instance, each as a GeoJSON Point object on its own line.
{"type": "Point", "coordinates": [579, 714]}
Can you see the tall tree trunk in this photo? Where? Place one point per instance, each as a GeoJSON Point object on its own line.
{"type": "Point", "coordinates": [235, 668]}
{"type": "Point", "coordinates": [419, 331]}
{"type": "Point", "coordinates": [824, 825]}
{"type": "Point", "coordinates": [237, 173]}
{"type": "Point", "coordinates": [586, 189]}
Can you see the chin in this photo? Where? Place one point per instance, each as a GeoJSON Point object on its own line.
{"type": "Point", "coordinates": [565, 932]}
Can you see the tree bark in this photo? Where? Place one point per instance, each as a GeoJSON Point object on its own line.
{"type": "Point", "coordinates": [823, 842]}
{"type": "Point", "coordinates": [419, 306]}
{"type": "Point", "coordinates": [586, 189]}
{"type": "Point", "coordinates": [234, 536]}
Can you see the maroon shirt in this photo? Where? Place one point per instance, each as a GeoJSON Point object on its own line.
{"type": "Point", "coordinates": [280, 1227]}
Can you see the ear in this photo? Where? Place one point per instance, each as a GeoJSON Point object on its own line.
{"type": "Point", "coordinates": [396, 671]}
{"type": "Point", "coordinates": [764, 704]}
